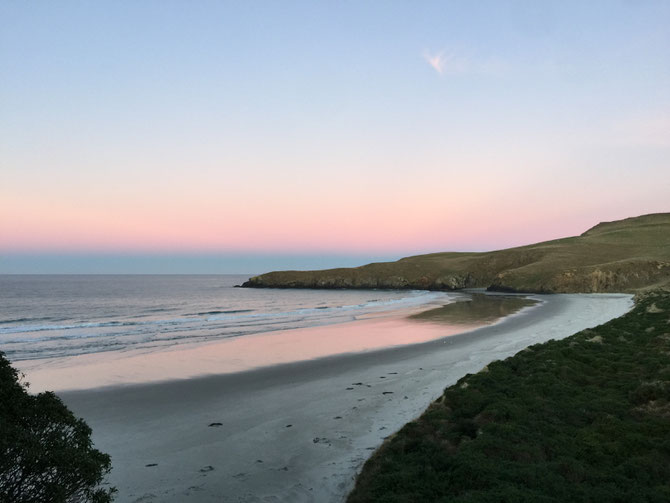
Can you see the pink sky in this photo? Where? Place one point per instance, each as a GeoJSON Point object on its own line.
{"type": "Point", "coordinates": [222, 127]}
{"type": "Point", "coordinates": [405, 221]}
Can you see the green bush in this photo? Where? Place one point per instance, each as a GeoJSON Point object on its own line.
{"type": "Point", "coordinates": [46, 454]}
{"type": "Point", "coordinates": [585, 419]}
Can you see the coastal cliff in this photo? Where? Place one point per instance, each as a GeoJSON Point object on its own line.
{"type": "Point", "coordinates": [622, 256]}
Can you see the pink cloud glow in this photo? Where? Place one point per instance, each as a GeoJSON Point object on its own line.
{"type": "Point", "coordinates": [295, 226]}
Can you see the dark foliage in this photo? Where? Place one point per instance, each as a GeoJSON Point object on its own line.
{"type": "Point", "coordinates": [46, 454]}
{"type": "Point", "coordinates": [582, 419]}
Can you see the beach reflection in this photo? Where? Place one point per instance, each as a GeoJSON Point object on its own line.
{"type": "Point", "coordinates": [259, 350]}
{"type": "Point", "coordinates": [480, 309]}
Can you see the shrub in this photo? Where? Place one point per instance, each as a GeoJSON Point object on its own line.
{"type": "Point", "coordinates": [46, 454]}
{"type": "Point", "coordinates": [581, 419]}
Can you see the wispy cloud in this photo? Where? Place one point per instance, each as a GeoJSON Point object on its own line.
{"type": "Point", "coordinates": [449, 63]}
{"type": "Point", "coordinates": [437, 61]}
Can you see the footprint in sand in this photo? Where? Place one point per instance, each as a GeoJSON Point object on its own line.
{"type": "Point", "coordinates": [145, 497]}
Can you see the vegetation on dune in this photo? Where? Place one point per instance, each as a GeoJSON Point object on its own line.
{"type": "Point", "coordinates": [46, 454]}
{"type": "Point", "coordinates": [586, 418]}
{"type": "Point", "coordinates": [623, 256]}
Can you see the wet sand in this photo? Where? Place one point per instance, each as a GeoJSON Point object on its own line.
{"type": "Point", "coordinates": [298, 431]}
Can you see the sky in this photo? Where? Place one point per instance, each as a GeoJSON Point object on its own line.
{"type": "Point", "coordinates": [213, 136]}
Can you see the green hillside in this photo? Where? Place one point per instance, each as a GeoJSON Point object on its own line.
{"type": "Point", "coordinates": [584, 419]}
{"type": "Point", "coordinates": [622, 256]}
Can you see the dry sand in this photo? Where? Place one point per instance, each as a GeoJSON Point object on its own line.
{"type": "Point", "coordinates": [298, 431]}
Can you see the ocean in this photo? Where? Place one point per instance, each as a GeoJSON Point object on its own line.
{"type": "Point", "coordinates": [47, 316]}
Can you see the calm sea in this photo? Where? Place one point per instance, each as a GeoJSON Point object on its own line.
{"type": "Point", "coordinates": [53, 315]}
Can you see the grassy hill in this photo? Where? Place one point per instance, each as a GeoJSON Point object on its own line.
{"type": "Point", "coordinates": [622, 256]}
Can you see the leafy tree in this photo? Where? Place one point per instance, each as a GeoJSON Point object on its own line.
{"type": "Point", "coordinates": [46, 454]}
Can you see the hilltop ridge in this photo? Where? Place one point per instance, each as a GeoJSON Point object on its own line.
{"type": "Point", "coordinates": [621, 256]}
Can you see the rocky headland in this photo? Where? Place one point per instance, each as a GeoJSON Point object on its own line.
{"type": "Point", "coordinates": [628, 255]}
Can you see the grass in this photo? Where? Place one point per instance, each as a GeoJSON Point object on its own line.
{"type": "Point", "coordinates": [624, 256]}
{"type": "Point", "coordinates": [586, 418]}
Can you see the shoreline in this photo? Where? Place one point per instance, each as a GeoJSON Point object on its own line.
{"type": "Point", "coordinates": [577, 409]}
{"type": "Point", "coordinates": [339, 410]}
{"type": "Point", "coordinates": [368, 333]}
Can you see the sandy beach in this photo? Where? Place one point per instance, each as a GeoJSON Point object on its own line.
{"type": "Point", "coordinates": [298, 431]}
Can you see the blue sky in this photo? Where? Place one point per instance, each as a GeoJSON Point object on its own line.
{"type": "Point", "coordinates": [340, 129]}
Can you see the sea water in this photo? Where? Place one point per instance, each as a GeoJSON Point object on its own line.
{"type": "Point", "coordinates": [46, 316]}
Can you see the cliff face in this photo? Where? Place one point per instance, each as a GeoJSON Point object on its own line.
{"type": "Point", "coordinates": [628, 276]}
{"type": "Point", "coordinates": [623, 256]}
{"type": "Point", "coordinates": [295, 279]}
